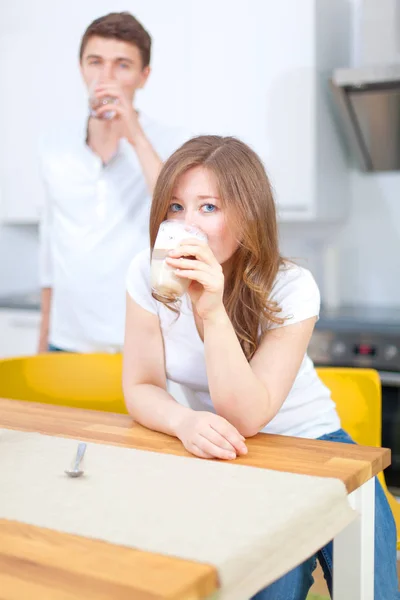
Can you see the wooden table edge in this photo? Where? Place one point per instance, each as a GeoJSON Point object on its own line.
{"type": "Point", "coordinates": [49, 557]}
{"type": "Point", "coordinates": [120, 430]}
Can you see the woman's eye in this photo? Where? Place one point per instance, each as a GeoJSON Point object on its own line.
{"type": "Point", "coordinates": [175, 207]}
{"type": "Point", "coordinates": [208, 208]}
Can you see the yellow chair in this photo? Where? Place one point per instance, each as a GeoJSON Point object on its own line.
{"type": "Point", "coordinates": [358, 399]}
{"type": "Point", "coordinates": [78, 380]}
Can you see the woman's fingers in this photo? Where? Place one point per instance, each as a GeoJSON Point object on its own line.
{"type": "Point", "coordinates": [208, 447]}
{"type": "Point", "coordinates": [231, 434]}
{"type": "Point", "coordinates": [187, 263]}
{"type": "Point", "coordinates": [208, 435]}
{"type": "Point", "coordinates": [219, 440]}
{"type": "Point", "coordinates": [201, 252]}
{"type": "Point", "coordinates": [194, 449]}
{"type": "Point", "coordinates": [207, 280]}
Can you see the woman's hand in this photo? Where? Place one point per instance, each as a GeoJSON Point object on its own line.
{"type": "Point", "coordinates": [207, 435]}
{"type": "Point", "coordinates": [207, 286]}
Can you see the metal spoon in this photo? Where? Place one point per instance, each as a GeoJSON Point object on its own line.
{"type": "Point", "coordinates": [75, 471]}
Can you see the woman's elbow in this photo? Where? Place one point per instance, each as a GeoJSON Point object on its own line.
{"type": "Point", "coordinates": [130, 396]}
{"type": "Point", "coordinates": [247, 426]}
{"type": "Point", "coordinates": [249, 430]}
{"type": "Point", "coordinates": [250, 425]}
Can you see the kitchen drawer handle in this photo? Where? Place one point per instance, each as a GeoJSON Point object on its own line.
{"type": "Point", "coordinates": [389, 378]}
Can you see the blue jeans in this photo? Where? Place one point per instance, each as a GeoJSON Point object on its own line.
{"type": "Point", "coordinates": [52, 348]}
{"type": "Point", "coordinates": [296, 584]}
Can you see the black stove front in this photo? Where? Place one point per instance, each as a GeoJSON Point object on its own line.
{"type": "Point", "coordinates": [357, 336]}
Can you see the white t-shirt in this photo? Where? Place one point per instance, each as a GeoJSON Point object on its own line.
{"type": "Point", "coordinates": [95, 219]}
{"type": "Point", "coordinates": [308, 410]}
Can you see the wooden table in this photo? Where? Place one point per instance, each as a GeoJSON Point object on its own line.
{"type": "Point", "coordinates": [43, 564]}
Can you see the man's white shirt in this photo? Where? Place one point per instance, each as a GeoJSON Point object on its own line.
{"type": "Point", "coordinates": [95, 219]}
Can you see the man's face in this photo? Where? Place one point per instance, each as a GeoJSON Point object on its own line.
{"type": "Point", "coordinates": [110, 60]}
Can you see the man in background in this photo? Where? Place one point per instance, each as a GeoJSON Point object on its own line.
{"type": "Point", "coordinates": [99, 182]}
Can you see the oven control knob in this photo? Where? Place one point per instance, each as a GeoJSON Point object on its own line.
{"type": "Point", "coordinates": [338, 348]}
{"type": "Point", "coordinates": [390, 352]}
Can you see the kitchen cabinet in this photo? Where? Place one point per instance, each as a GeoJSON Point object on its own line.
{"type": "Point", "coordinates": [260, 71]}
{"type": "Point", "coordinates": [24, 112]}
{"type": "Point", "coordinates": [19, 332]}
{"type": "Point", "coordinates": [255, 70]}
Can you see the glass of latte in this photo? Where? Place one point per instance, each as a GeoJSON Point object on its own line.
{"type": "Point", "coordinates": [164, 282]}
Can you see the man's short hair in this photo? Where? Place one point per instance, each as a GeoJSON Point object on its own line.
{"type": "Point", "coordinates": [120, 26]}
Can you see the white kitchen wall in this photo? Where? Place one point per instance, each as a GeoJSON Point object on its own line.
{"type": "Point", "coordinates": [18, 259]}
{"type": "Point", "coordinates": [377, 31]}
{"type": "Point", "coordinates": [369, 242]}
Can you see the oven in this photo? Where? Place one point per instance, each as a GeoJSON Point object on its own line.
{"type": "Point", "coordinates": [366, 337]}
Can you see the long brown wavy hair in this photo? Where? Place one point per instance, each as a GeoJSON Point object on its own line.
{"type": "Point", "coordinates": [246, 196]}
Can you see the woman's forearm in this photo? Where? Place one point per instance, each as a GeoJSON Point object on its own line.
{"type": "Point", "coordinates": [236, 392]}
{"type": "Point", "coordinates": [154, 408]}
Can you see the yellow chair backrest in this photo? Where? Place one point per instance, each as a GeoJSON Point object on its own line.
{"type": "Point", "coordinates": [357, 395]}
{"type": "Point", "coordinates": [358, 398]}
{"type": "Point", "coordinates": [78, 380]}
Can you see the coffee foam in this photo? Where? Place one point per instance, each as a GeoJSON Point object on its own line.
{"type": "Point", "coordinates": [171, 234]}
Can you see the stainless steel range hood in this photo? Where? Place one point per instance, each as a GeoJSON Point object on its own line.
{"type": "Point", "coordinates": [369, 103]}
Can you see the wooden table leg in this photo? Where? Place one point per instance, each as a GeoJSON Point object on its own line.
{"type": "Point", "coordinates": [353, 549]}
